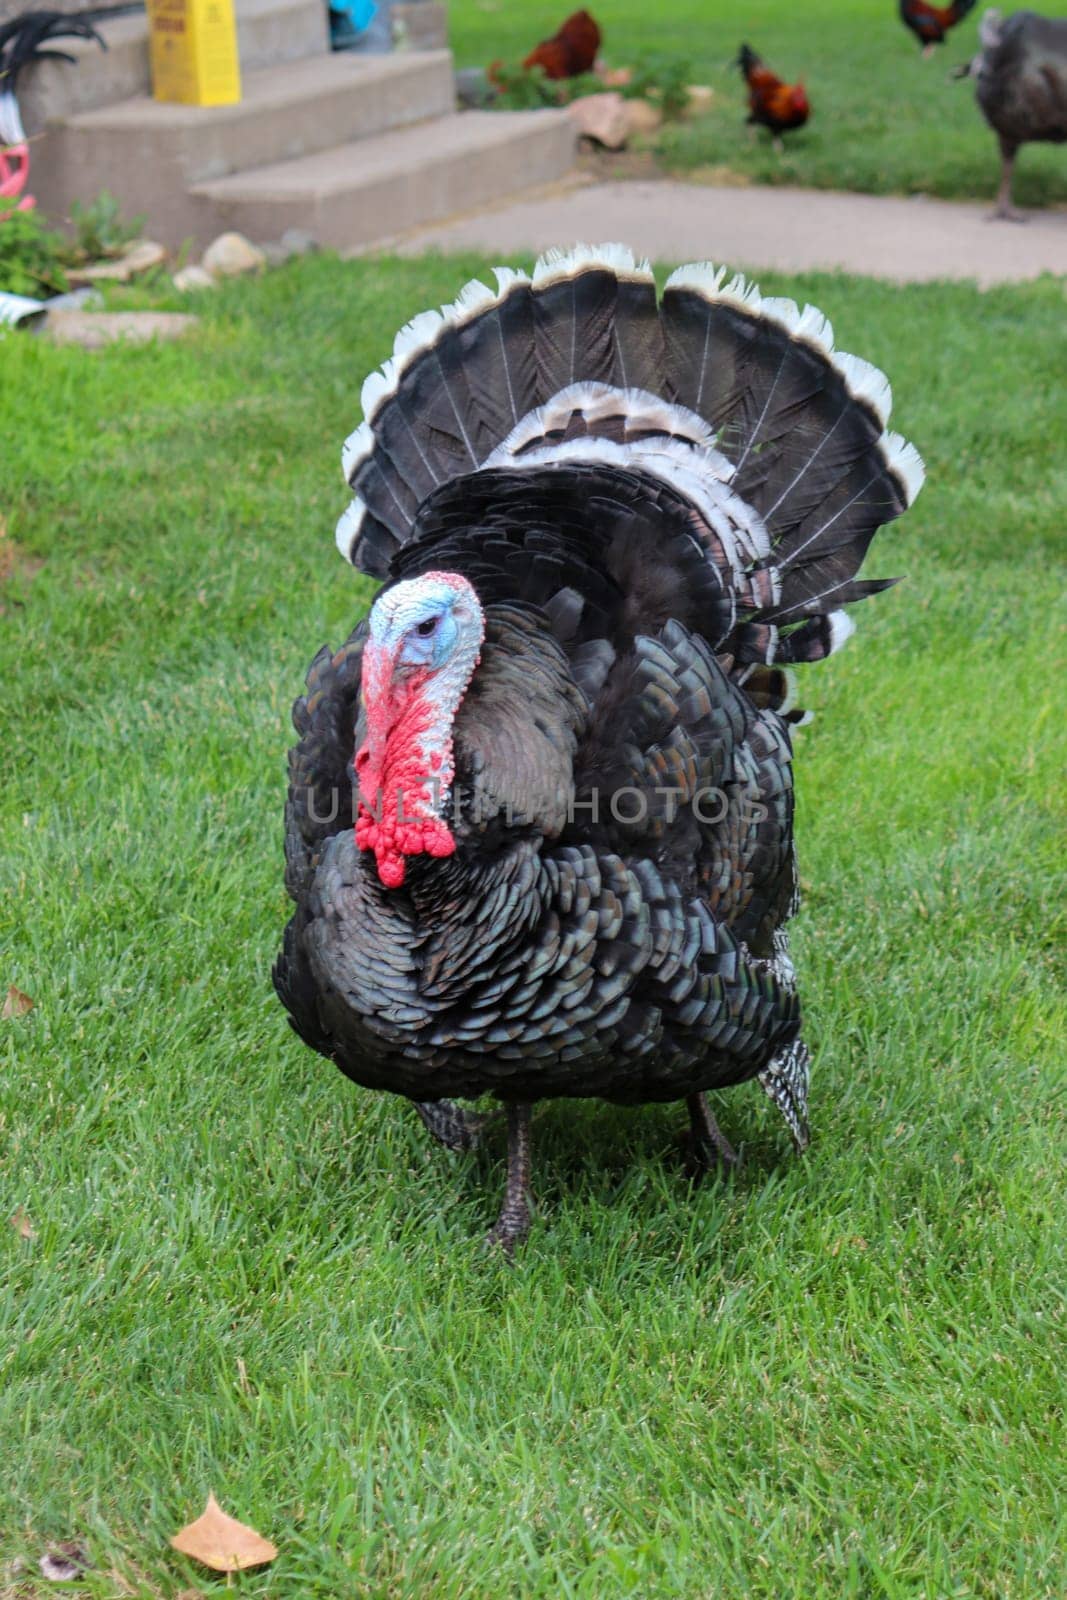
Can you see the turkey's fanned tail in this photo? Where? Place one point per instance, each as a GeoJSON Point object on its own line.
{"type": "Point", "coordinates": [739, 402]}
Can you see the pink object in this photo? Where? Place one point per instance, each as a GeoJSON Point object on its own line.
{"type": "Point", "coordinates": [14, 176]}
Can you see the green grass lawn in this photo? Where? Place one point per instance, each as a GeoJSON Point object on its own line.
{"type": "Point", "coordinates": [834, 1378]}
{"type": "Point", "coordinates": [884, 120]}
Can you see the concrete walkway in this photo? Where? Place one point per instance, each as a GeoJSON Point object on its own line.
{"type": "Point", "coordinates": [904, 240]}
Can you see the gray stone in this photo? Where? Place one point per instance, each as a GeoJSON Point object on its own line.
{"type": "Point", "coordinates": [473, 88]}
{"type": "Point", "coordinates": [135, 259]}
{"type": "Point", "coordinates": [192, 277]}
{"type": "Point", "coordinates": [602, 118]}
{"type": "Point", "coordinates": [231, 255]}
{"type": "Point", "coordinates": [298, 242]}
{"type": "Point", "coordinates": [95, 329]}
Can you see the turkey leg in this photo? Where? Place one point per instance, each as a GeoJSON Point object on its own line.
{"type": "Point", "coordinates": [453, 1126]}
{"type": "Point", "coordinates": [1002, 212]}
{"type": "Point", "coordinates": [705, 1143]}
{"type": "Point", "coordinates": [513, 1223]}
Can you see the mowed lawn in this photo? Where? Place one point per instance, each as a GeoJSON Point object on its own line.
{"type": "Point", "coordinates": [831, 1378]}
{"type": "Point", "coordinates": [883, 119]}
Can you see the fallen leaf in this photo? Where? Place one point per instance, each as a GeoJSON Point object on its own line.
{"type": "Point", "coordinates": [22, 1224]}
{"type": "Point", "coordinates": [222, 1543]}
{"type": "Point", "coordinates": [65, 1563]}
{"type": "Point", "coordinates": [16, 1005]}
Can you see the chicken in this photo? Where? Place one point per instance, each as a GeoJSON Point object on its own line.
{"type": "Point", "coordinates": [1021, 86]}
{"type": "Point", "coordinates": [772, 104]}
{"type": "Point", "coordinates": [930, 23]}
{"type": "Point", "coordinates": [21, 40]}
{"type": "Point", "coordinates": [539, 832]}
{"type": "Point", "coordinates": [570, 51]}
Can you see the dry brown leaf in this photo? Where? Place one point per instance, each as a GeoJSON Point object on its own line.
{"type": "Point", "coordinates": [22, 1224]}
{"type": "Point", "coordinates": [222, 1543]}
{"type": "Point", "coordinates": [16, 1005]}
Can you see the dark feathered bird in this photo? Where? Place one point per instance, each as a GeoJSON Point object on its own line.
{"type": "Point", "coordinates": [931, 23]}
{"type": "Point", "coordinates": [772, 103]}
{"type": "Point", "coordinates": [572, 49]}
{"type": "Point", "coordinates": [540, 820]}
{"type": "Point", "coordinates": [1021, 85]}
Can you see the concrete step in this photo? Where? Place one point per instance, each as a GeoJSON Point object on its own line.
{"type": "Point", "coordinates": [148, 153]}
{"type": "Point", "coordinates": [269, 33]}
{"type": "Point", "coordinates": [356, 194]}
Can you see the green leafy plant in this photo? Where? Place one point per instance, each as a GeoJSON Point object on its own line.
{"type": "Point", "coordinates": [662, 79]}
{"type": "Point", "coordinates": [31, 255]}
{"type": "Point", "coordinates": [521, 88]}
{"type": "Point", "coordinates": [665, 81]}
{"type": "Point", "coordinates": [99, 230]}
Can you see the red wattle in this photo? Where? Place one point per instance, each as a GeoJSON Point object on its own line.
{"type": "Point", "coordinates": [395, 818]}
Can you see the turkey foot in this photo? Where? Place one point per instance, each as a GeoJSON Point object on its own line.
{"type": "Point", "coordinates": [453, 1126]}
{"type": "Point", "coordinates": [704, 1145]}
{"type": "Point", "coordinates": [513, 1223]}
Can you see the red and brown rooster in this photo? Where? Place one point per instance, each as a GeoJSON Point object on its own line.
{"type": "Point", "coordinates": [929, 23]}
{"type": "Point", "coordinates": [570, 51]}
{"type": "Point", "coordinates": [771, 103]}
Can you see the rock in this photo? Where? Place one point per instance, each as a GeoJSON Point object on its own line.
{"type": "Point", "coordinates": [192, 278]}
{"type": "Point", "coordinates": [230, 255]}
{"type": "Point", "coordinates": [602, 118]}
{"type": "Point", "coordinates": [473, 89]}
{"type": "Point", "coordinates": [94, 329]}
{"type": "Point", "coordinates": [136, 258]}
{"type": "Point", "coordinates": [293, 242]}
{"type": "Point", "coordinates": [701, 99]}
{"type": "Point", "coordinates": [642, 116]}
{"type": "Point", "coordinates": [299, 243]}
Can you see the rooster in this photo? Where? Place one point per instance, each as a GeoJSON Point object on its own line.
{"type": "Point", "coordinates": [772, 104]}
{"type": "Point", "coordinates": [1021, 86]}
{"type": "Point", "coordinates": [539, 832]}
{"type": "Point", "coordinates": [570, 51]}
{"type": "Point", "coordinates": [930, 23]}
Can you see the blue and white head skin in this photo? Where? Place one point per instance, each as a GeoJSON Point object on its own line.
{"type": "Point", "coordinates": [425, 641]}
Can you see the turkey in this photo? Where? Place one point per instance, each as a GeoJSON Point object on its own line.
{"type": "Point", "coordinates": [1021, 86]}
{"type": "Point", "coordinates": [539, 825]}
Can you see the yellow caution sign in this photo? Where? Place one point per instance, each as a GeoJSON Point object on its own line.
{"type": "Point", "coordinates": [193, 45]}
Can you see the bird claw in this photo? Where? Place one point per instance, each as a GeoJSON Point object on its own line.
{"type": "Point", "coordinates": [508, 1232]}
{"type": "Point", "coordinates": [701, 1156]}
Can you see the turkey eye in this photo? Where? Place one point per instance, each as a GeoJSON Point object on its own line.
{"type": "Point", "coordinates": [424, 629]}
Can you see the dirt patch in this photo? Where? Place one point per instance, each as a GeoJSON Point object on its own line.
{"type": "Point", "coordinates": [604, 165]}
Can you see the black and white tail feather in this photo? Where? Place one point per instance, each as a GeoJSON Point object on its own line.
{"type": "Point", "coordinates": [22, 41]}
{"type": "Point", "coordinates": [739, 403]}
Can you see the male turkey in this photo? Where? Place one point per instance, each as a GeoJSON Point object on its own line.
{"type": "Point", "coordinates": [539, 828]}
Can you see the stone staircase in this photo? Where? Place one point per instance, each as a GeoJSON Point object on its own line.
{"type": "Point", "coordinates": [348, 148]}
